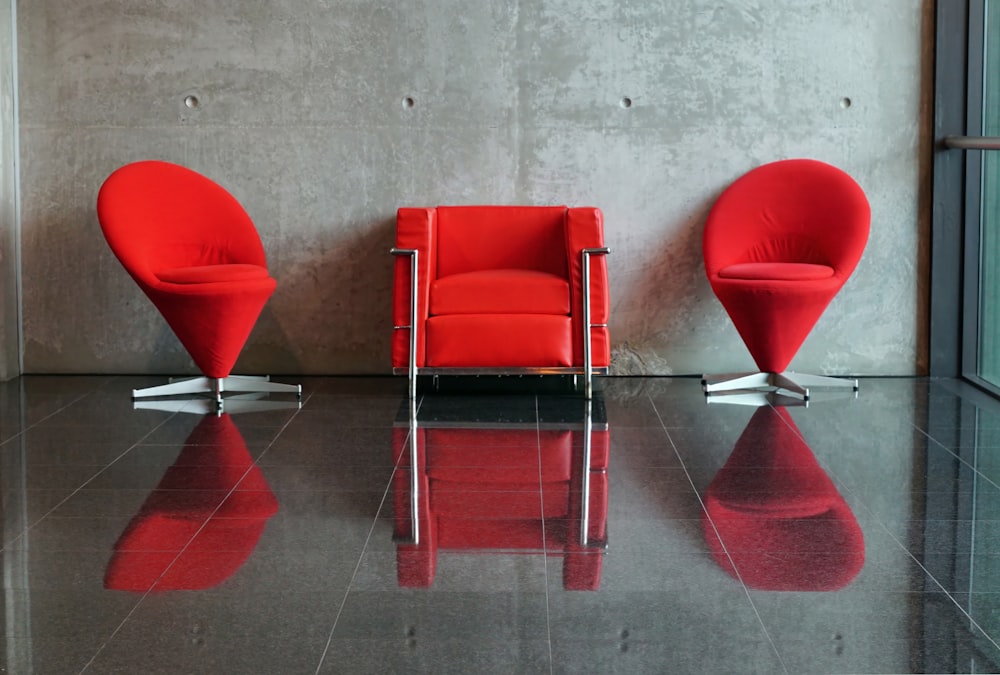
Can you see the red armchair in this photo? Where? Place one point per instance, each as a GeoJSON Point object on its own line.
{"type": "Point", "coordinates": [194, 531]}
{"type": "Point", "coordinates": [778, 245]}
{"type": "Point", "coordinates": [196, 254]}
{"type": "Point", "coordinates": [477, 485]}
{"type": "Point", "coordinates": [774, 519]}
{"type": "Point", "coordinates": [500, 290]}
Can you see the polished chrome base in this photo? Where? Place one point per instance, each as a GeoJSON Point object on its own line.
{"type": "Point", "coordinates": [217, 386]}
{"type": "Point", "coordinates": [797, 384]}
{"type": "Point", "coordinates": [238, 403]}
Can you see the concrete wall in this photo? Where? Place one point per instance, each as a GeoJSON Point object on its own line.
{"type": "Point", "coordinates": [9, 245]}
{"type": "Point", "coordinates": [301, 115]}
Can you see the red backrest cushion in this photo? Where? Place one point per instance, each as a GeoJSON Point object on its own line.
{"type": "Point", "coordinates": [794, 210]}
{"type": "Point", "coordinates": [474, 238]}
{"type": "Point", "coordinates": [156, 215]}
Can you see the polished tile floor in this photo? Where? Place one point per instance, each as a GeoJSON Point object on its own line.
{"type": "Point", "coordinates": [524, 532]}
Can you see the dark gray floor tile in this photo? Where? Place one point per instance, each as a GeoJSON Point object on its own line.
{"type": "Point", "coordinates": [641, 446]}
{"type": "Point", "coordinates": [84, 533]}
{"type": "Point", "coordinates": [451, 571]}
{"type": "Point", "coordinates": [327, 478]}
{"type": "Point", "coordinates": [864, 632]}
{"type": "Point", "coordinates": [47, 654]}
{"type": "Point", "coordinates": [678, 617]}
{"type": "Point", "coordinates": [650, 493]}
{"type": "Point", "coordinates": [712, 653]}
{"type": "Point", "coordinates": [427, 614]}
{"type": "Point", "coordinates": [274, 632]}
{"type": "Point", "coordinates": [402, 654]}
{"type": "Point", "coordinates": [87, 616]}
{"type": "Point", "coordinates": [237, 587]}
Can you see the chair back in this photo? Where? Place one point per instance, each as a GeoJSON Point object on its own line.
{"type": "Point", "coordinates": [156, 215]}
{"type": "Point", "coordinates": [795, 210]}
{"type": "Point", "coordinates": [476, 238]}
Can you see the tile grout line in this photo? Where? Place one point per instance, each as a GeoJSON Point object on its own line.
{"type": "Point", "coordinates": [361, 555]}
{"type": "Point", "coordinates": [194, 536]}
{"type": "Point", "coordinates": [545, 540]}
{"type": "Point", "coordinates": [704, 512]}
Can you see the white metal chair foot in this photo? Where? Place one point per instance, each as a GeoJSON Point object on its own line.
{"type": "Point", "coordinates": [734, 381]}
{"type": "Point", "coordinates": [193, 385]}
{"type": "Point", "coordinates": [797, 384]}
{"type": "Point", "coordinates": [238, 403]}
{"type": "Point", "coordinates": [217, 386]}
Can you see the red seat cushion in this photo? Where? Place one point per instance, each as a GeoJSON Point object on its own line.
{"type": "Point", "coordinates": [499, 341]}
{"type": "Point", "coordinates": [209, 274]}
{"type": "Point", "coordinates": [777, 271]}
{"type": "Point", "coordinates": [504, 291]}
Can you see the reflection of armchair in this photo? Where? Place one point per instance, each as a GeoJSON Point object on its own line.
{"type": "Point", "coordinates": [779, 243]}
{"type": "Point", "coordinates": [196, 254]}
{"type": "Point", "coordinates": [473, 485]}
{"type": "Point", "coordinates": [775, 519]}
{"type": "Point", "coordinates": [191, 533]}
{"type": "Point", "coordinates": [499, 290]}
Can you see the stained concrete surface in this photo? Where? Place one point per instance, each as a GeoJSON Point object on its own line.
{"type": "Point", "coordinates": [646, 110]}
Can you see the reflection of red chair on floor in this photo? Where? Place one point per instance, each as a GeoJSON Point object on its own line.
{"type": "Point", "coordinates": [774, 517]}
{"type": "Point", "coordinates": [476, 488]}
{"type": "Point", "coordinates": [156, 547]}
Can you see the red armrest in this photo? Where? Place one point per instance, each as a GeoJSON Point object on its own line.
{"type": "Point", "coordinates": [415, 229]}
{"type": "Point", "coordinates": [585, 229]}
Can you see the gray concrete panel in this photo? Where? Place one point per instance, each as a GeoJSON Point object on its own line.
{"type": "Point", "coordinates": [323, 117]}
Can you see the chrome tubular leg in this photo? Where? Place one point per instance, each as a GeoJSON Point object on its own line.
{"type": "Point", "coordinates": [412, 363]}
{"type": "Point", "coordinates": [588, 381]}
{"type": "Point", "coordinates": [588, 326]}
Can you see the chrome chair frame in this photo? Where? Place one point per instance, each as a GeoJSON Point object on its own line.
{"type": "Point", "coordinates": [587, 370]}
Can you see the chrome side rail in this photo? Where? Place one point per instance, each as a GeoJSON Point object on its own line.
{"type": "Point", "coordinates": [412, 367]}
{"type": "Point", "coordinates": [588, 371]}
{"type": "Point", "coordinates": [585, 488]}
{"type": "Point", "coordinates": [414, 476]}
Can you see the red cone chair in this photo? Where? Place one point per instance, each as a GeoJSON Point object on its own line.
{"type": "Point", "coordinates": [196, 254]}
{"type": "Point", "coordinates": [195, 531]}
{"type": "Point", "coordinates": [501, 485]}
{"type": "Point", "coordinates": [774, 519]}
{"type": "Point", "coordinates": [500, 290]}
{"type": "Point", "coordinates": [779, 243]}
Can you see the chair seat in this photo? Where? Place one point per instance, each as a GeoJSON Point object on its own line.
{"type": "Point", "coordinates": [777, 271]}
{"type": "Point", "coordinates": [499, 341]}
{"type": "Point", "coordinates": [778, 505]}
{"type": "Point", "coordinates": [210, 274]}
{"type": "Point", "coordinates": [500, 291]}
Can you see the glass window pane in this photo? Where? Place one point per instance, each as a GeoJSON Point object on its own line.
{"type": "Point", "coordinates": [989, 263]}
